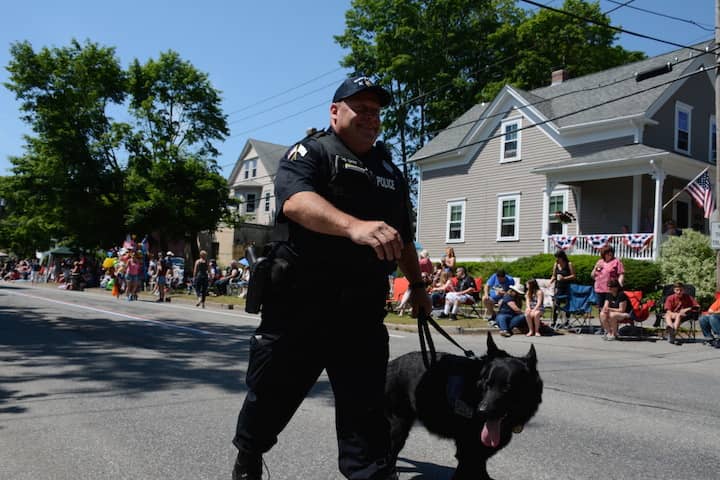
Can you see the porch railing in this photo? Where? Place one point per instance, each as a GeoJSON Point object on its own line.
{"type": "Point", "coordinates": [634, 245]}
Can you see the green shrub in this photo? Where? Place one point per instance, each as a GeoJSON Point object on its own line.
{"type": "Point", "coordinates": [689, 259]}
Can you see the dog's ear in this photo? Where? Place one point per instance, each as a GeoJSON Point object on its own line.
{"type": "Point", "coordinates": [531, 358]}
{"type": "Point", "coordinates": [491, 347]}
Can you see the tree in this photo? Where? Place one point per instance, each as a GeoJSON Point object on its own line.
{"type": "Point", "coordinates": [690, 259]}
{"type": "Point", "coordinates": [438, 58]}
{"type": "Point", "coordinates": [68, 184]}
{"type": "Point", "coordinates": [87, 179]}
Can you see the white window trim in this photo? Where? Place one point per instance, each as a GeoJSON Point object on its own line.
{"type": "Point", "coordinates": [266, 199]}
{"type": "Point", "coordinates": [500, 198]}
{"type": "Point", "coordinates": [512, 121]}
{"type": "Point", "coordinates": [248, 202]}
{"type": "Point", "coordinates": [683, 107]}
{"type": "Point", "coordinates": [565, 192]}
{"type": "Point", "coordinates": [711, 142]}
{"type": "Point", "coordinates": [451, 203]}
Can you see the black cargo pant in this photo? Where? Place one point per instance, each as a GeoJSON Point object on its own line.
{"type": "Point", "coordinates": [341, 332]}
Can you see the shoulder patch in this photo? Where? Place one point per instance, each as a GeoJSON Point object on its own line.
{"type": "Point", "coordinates": [298, 149]}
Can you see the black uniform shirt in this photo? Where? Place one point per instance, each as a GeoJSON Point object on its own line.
{"type": "Point", "coordinates": [368, 187]}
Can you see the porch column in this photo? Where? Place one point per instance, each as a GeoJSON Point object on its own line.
{"type": "Point", "coordinates": [659, 176]}
{"type": "Point", "coordinates": [636, 203]}
{"type": "Point", "coordinates": [549, 187]}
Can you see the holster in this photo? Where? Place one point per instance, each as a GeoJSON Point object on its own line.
{"type": "Point", "coordinates": [271, 275]}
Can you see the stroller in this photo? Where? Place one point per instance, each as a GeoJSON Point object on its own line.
{"type": "Point", "coordinates": [578, 308]}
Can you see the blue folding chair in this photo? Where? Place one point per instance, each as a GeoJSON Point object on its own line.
{"type": "Point", "coordinates": [578, 308]}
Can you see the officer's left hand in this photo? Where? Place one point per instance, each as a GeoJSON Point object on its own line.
{"type": "Point", "coordinates": [420, 301]}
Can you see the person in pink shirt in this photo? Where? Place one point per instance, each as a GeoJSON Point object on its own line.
{"type": "Point", "coordinates": [133, 275]}
{"type": "Point", "coordinates": [606, 269]}
{"type": "Point", "coordinates": [426, 266]}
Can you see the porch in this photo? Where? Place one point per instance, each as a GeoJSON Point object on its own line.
{"type": "Point", "coordinates": [632, 189]}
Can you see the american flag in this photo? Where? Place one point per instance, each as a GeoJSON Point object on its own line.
{"type": "Point", "coordinates": [701, 192]}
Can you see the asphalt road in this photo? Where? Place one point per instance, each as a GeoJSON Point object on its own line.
{"type": "Point", "coordinates": [96, 388]}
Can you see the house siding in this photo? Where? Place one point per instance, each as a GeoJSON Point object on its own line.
{"type": "Point", "coordinates": [698, 93]}
{"type": "Point", "coordinates": [480, 182]}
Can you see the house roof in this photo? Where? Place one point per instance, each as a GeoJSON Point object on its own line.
{"type": "Point", "coordinates": [269, 154]}
{"type": "Point", "coordinates": [558, 102]}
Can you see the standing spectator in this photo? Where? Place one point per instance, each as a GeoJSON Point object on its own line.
{"type": "Point", "coordinates": [426, 266]}
{"type": "Point", "coordinates": [200, 278]}
{"type": "Point", "coordinates": [510, 315]}
{"type": "Point", "coordinates": [563, 274]}
{"type": "Point", "coordinates": [606, 269]}
{"type": "Point", "coordinates": [449, 260]}
{"type": "Point", "coordinates": [535, 307]}
{"type": "Point", "coordinates": [34, 271]}
{"type": "Point", "coordinates": [616, 309]}
{"type": "Point", "coordinates": [75, 276]}
{"type": "Point", "coordinates": [164, 268]}
{"type": "Point", "coordinates": [495, 289]}
{"type": "Point", "coordinates": [464, 292]}
{"type": "Point", "coordinates": [710, 325]}
{"type": "Point", "coordinates": [678, 307]}
{"type": "Point", "coordinates": [132, 274]}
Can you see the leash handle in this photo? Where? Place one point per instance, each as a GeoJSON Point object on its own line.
{"type": "Point", "coordinates": [430, 358]}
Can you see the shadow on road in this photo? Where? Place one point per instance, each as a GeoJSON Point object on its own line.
{"type": "Point", "coordinates": [125, 357]}
{"type": "Point", "coordinates": [425, 470]}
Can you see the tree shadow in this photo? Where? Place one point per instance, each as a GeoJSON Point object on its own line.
{"type": "Point", "coordinates": [118, 357]}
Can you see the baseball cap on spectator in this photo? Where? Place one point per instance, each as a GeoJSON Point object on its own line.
{"type": "Point", "coordinates": [354, 85]}
{"type": "Point", "coordinates": [169, 254]}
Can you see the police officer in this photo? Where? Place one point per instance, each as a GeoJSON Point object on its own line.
{"type": "Point", "coordinates": [346, 210]}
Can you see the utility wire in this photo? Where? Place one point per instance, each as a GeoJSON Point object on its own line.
{"type": "Point", "coordinates": [284, 92]}
{"type": "Point", "coordinates": [569, 114]}
{"type": "Point", "coordinates": [703, 26]}
{"type": "Point", "coordinates": [611, 27]}
{"type": "Point", "coordinates": [558, 117]}
{"type": "Point", "coordinates": [619, 6]}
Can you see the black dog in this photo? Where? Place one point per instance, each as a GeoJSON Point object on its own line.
{"type": "Point", "coordinates": [477, 402]}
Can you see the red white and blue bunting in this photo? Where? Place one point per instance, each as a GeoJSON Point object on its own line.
{"type": "Point", "coordinates": [599, 241]}
{"type": "Point", "coordinates": [637, 241]}
{"type": "Point", "coordinates": [564, 242]}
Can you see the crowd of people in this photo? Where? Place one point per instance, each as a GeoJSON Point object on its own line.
{"type": "Point", "coordinates": [75, 272]}
{"type": "Point", "coordinates": [520, 308]}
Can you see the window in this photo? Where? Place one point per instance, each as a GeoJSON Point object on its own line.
{"type": "Point", "coordinates": [267, 201]}
{"type": "Point", "coordinates": [510, 140]}
{"type": "Point", "coordinates": [250, 168]}
{"type": "Point", "coordinates": [683, 123]}
{"type": "Point", "coordinates": [456, 221]}
{"type": "Point", "coordinates": [712, 148]}
{"type": "Point", "coordinates": [250, 203]}
{"type": "Point", "coordinates": [508, 217]}
{"type": "Point", "coordinates": [557, 204]}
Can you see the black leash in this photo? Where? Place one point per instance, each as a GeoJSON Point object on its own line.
{"type": "Point", "coordinates": [424, 322]}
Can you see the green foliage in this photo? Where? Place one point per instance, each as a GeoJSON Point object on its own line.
{"type": "Point", "coordinates": [86, 179]}
{"type": "Point", "coordinates": [689, 259]}
{"type": "Point", "coordinates": [639, 275]}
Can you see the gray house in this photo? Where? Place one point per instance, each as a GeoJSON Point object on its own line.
{"type": "Point", "coordinates": [606, 148]}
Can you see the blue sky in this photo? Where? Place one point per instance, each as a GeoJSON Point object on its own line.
{"type": "Point", "coordinates": [256, 50]}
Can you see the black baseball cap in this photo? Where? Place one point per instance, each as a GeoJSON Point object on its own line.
{"type": "Point", "coordinates": [354, 85]}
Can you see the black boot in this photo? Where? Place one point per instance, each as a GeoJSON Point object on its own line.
{"type": "Point", "coordinates": [248, 466]}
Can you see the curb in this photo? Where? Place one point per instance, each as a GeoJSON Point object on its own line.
{"type": "Point", "coordinates": [450, 329]}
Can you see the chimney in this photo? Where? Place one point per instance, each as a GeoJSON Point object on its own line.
{"type": "Point", "coordinates": [559, 76]}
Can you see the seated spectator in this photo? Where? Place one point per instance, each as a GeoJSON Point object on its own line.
{"type": "Point", "coordinates": [510, 316]}
{"type": "Point", "coordinates": [535, 307]}
{"type": "Point", "coordinates": [234, 276]}
{"type": "Point", "coordinates": [495, 289]}
{"type": "Point", "coordinates": [710, 325]}
{"type": "Point", "coordinates": [678, 307]}
{"type": "Point", "coordinates": [426, 266]}
{"type": "Point", "coordinates": [464, 292]}
{"type": "Point", "coordinates": [440, 288]}
{"type": "Point", "coordinates": [616, 309]}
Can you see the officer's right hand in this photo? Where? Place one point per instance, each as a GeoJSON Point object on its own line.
{"type": "Point", "coordinates": [383, 238]}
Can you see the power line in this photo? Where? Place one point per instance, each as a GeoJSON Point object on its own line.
{"type": "Point", "coordinates": [284, 92]}
{"type": "Point", "coordinates": [584, 109]}
{"type": "Point", "coordinates": [620, 5]}
{"type": "Point", "coordinates": [279, 120]}
{"type": "Point", "coordinates": [606, 25]}
{"type": "Point", "coordinates": [651, 12]}
{"type": "Point", "coordinates": [275, 107]}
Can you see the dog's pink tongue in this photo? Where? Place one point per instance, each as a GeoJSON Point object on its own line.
{"type": "Point", "coordinates": [490, 435]}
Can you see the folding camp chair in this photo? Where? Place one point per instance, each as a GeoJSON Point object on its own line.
{"type": "Point", "coordinates": [399, 287]}
{"type": "Point", "coordinates": [641, 312]}
{"type": "Point", "coordinates": [473, 304]}
{"type": "Point", "coordinates": [578, 309]}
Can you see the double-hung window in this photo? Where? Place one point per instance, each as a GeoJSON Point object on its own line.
{"type": "Point", "coordinates": [455, 232]}
{"type": "Point", "coordinates": [250, 168]}
{"type": "Point", "coordinates": [683, 124]}
{"type": "Point", "coordinates": [510, 149]}
{"type": "Point", "coordinates": [508, 225]}
{"type": "Point", "coordinates": [557, 204]}
{"type": "Point", "coordinates": [250, 203]}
